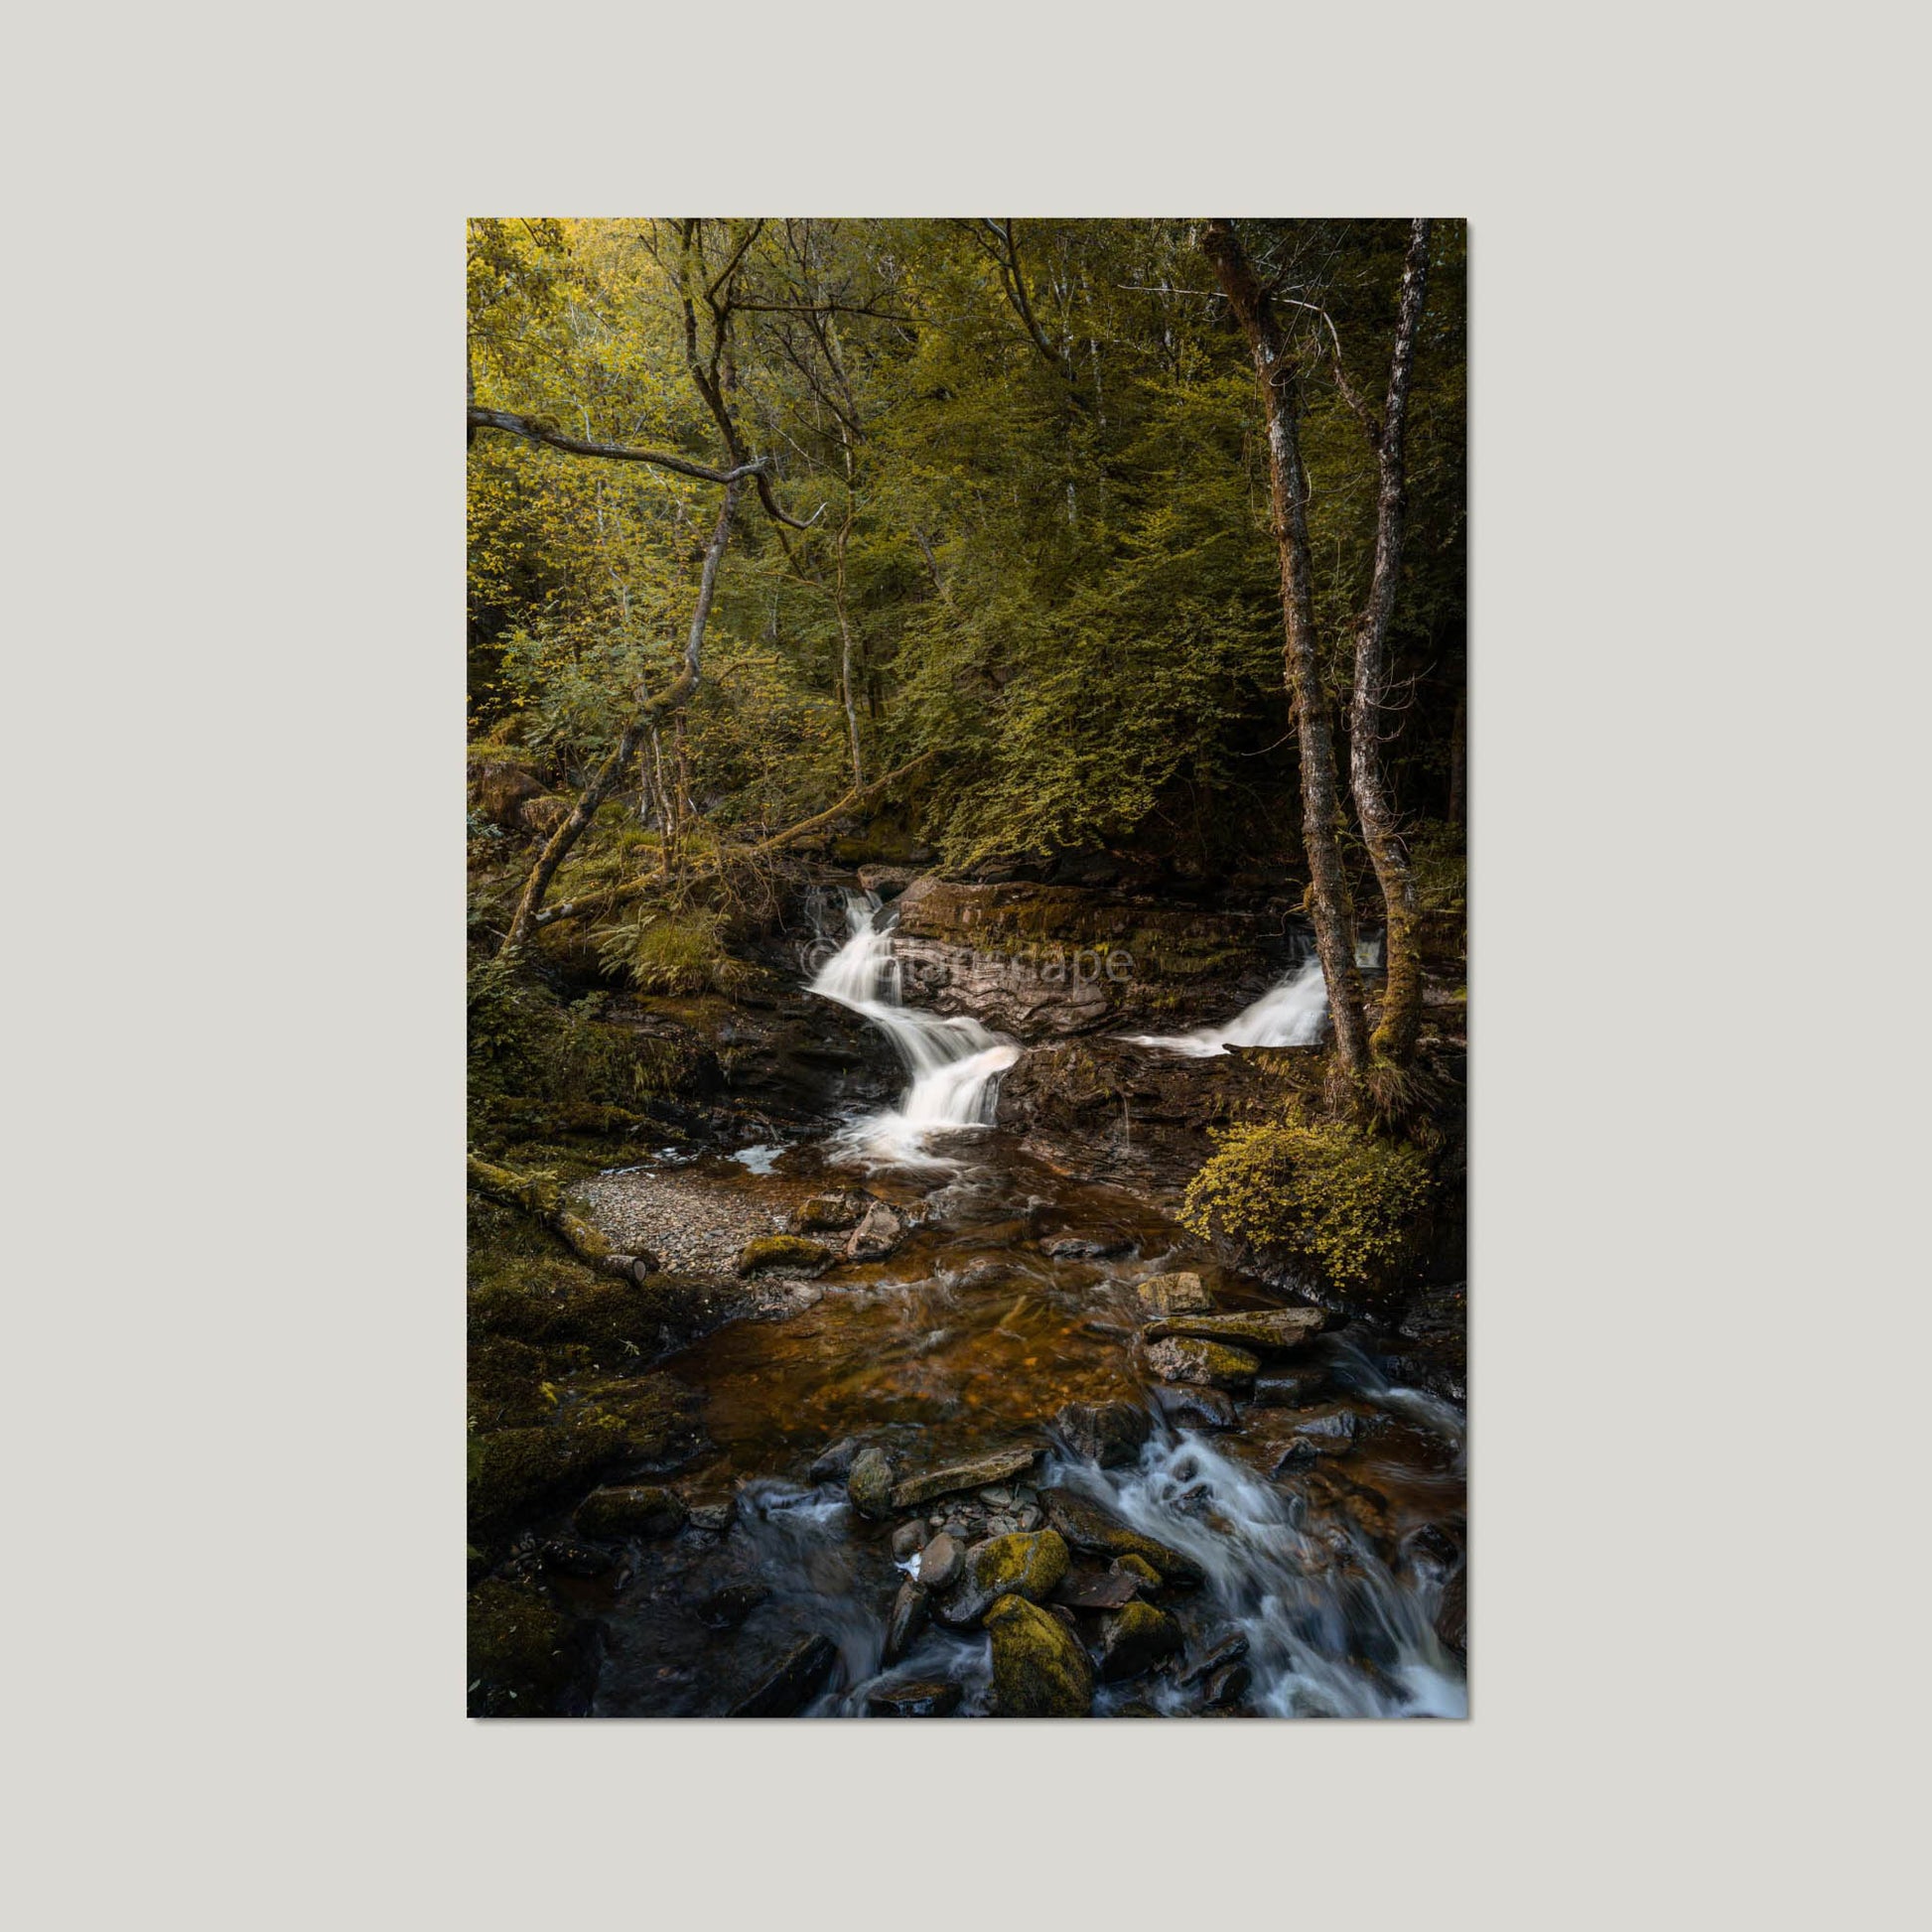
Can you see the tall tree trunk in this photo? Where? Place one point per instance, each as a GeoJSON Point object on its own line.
{"type": "Point", "coordinates": [1335, 922]}
{"type": "Point", "coordinates": [1401, 1019]}
{"type": "Point", "coordinates": [672, 702]}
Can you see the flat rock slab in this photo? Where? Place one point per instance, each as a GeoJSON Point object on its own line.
{"type": "Point", "coordinates": [1181, 1294]}
{"type": "Point", "coordinates": [1209, 1364]}
{"type": "Point", "coordinates": [1098, 1589]}
{"type": "Point", "coordinates": [786, 1690]}
{"type": "Point", "coordinates": [1090, 1527]}
{"type": "Point", "coordinates": [976, 1474]}
{"type": "Point", "coordinates": [1271, 1329]}
{"type": "Point", "coordinates": [926, 1698]}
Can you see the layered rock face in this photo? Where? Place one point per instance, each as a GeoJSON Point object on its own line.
{"type": "Point", "coordinates": [1046, 961]}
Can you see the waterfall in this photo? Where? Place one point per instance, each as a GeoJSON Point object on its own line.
{"type": "Point", "coordinates": [953, 1064]}
{"type": "Point", "coordinates": [1292, 1013]}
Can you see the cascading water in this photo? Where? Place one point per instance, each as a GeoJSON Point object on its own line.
{"type": "Point", "coordinates": [954, 1064]}
{"type": "Point", "coordinates": [1289, 1014]}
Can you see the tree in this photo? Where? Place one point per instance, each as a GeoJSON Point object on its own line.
{"type": "Point", "coordinates": [1277, 376]}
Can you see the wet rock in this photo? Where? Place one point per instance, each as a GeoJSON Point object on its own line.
{"type": "Point", "coordinates": [1029, 1518]}
{"type": "Point", "coordinates": [1289, 1388]}
{"type": "Point", "coordinates": [1090, 1527]}
{"type": "Point", "coordinates": [876, 1235]}
{"type": "Point", "coordinates": [1097, 1590]}
{"type": "Point", "coordinates": [834, 1464]}
{"type": "Point", "coordinates": [942, 1562]}
{"type": "Point", "coordinates": [1228, 1647]}
{"type": "Point", "coordinates": [922, 1698]}
{"type": "Point", "coordinates": [1110, 1433]}
{"type": "Point", "coordinates": [788, 1251]}
{"type": "Point", "coordinates": [1039, 1669]}
{"type": "Point", "coordinates": [905, 1619]}
{"type": "Point", "coordinates": [1268, 1330]}
{"type": "Point", "coordinates": [1018, 1565]}
{"type": "Point", "coordinates": [727, 1608]}
{"type": "Point", "coordinates": [790, 1686]}
{"type": "Point", "coordinates": [828, 1214]}
{"type": "Point", "coordinates": [1275, 1440]}
{"type": "Point", "coordinates": [960, 1476]}
{"type": "Point", "coordinates": [1181, 1294]}
{"type": "Point", "coordinates": [1453, 1614]}
{"type": "Point", "coordinates": [987, 1273]}
{"type": "Point", "coordinates": [1206, 1364]}
{"type": "Point", "coordinates": [1191, 1408]}
{"type": "Point", "coordinates": [1072, 1247]}
{"type": "Point", "coordinates": [623, 1511]}
{"type": "Point", "coordinates": [1133, 1640]}
{"type": "Point", "coordinates": [907, 1540]}
{"type": "Point", "coordinates": [870, 1484]}
{"type": "Point", "coordinates": [563, 1556]}
{"type": "Point", "coordinates": [715, 1516]}
{"type": "Point", "coordinates": [1001, 1524]}
{"type": "Point", "coordinates": [1139, 1571]}
{"type": "Point", "coordinates": [886, 880]}
{"type": "Point", "coordinates": [1226, 1688]}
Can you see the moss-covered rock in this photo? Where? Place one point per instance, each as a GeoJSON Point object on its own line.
{"type": "Point", "coordinates": [1088, 1526]}
{"type": "Point", "coordinates": [515, 1472]}
{"type": "Point", "coordinates": [1133, 1640]}
{"type": "Point", "coordinates": [1137, 1567]}
{"type": "Point", "coordinates": [1029, 1564]}
{"type": "Point", "coordinates": [626, 1510]}
{"type": "Point", "coordinates": [657, 1415]}
{"type": "Point", "coordinates": [1039, 1667]}
{"type": "Point", "coordinates": [795, 1252]}
{"type": "Point", "coordinates": [521, 1657]}
{"type": "Point", "coordinates": [870, 1484]}
{"type": "Point", "coordinates": [1209, 1364]}
{"type": "Point", "coordinates": [1273, 1330]}
{"type": "Point", "coordinates": [1178, 1293]}
{"type": "Point", "coordinates": [828, 1214]}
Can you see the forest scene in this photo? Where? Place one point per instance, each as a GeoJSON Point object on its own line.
{"type": "Point", "coordinates": [966, 968]}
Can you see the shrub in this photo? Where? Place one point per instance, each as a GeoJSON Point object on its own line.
{"type": "Point", "coordinates": [683, 954]}
{"type": "Point", "coordinates": [1326, 1191]}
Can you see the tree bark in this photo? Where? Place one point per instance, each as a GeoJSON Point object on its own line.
{"type": "Point", "coordinates": [670, 702]}
{"type": "Point", "coordinates": [1401, 1017]}
{"type": "Point", "coordinates": [1335, 923]}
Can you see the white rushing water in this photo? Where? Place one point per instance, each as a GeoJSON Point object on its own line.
{"type": "Point", "coordinates": [1289, 1014]}
{"type": "Point", "coordinates": [953, 1064]}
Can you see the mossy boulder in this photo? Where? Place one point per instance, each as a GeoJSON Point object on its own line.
{"type": "Point", "coordinates": [1133, 1640]}
{"type": "Point", "coordinates": [1088, 1526]}
{"type": "Point", "coordinates": [515, 1472]}
{"type": "Point", "coordinates": [870, 1484]}
{"type": "Point", "coordinates": [1271, 1330]}
{"type": "Point", "coordinates": [1140, 1569]}
{"type": "Point", "coordinates": [1029, 1564]}
{"type": "Point", "coordinates": [1209, 1364]}
{"type": "Point", "coordinates": [828, 1214]}
{"type": "Point", "coordinates": [659, 1417]}
{"type": "Point", "coordinates": [796, 1253]}
{"type": "Point", "coordinates": [616, 1514]}
{"type": "Point", "coordinates": [1039, 1667]}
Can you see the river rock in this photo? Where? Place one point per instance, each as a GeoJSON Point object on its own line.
{"type": "Point", "coordinates": [886, 880]}
{"type": "Point", "coordinates": [788, 1251]}
{"type": "Point", "coordinates": [1039, 1669]}
{"type": "Point", "coordinates": [1270, 1330]}
{"type": "Point", "coordinates": [942, 1562]}
{"type": "Point", "coordinates": [1097, 1590]}
{"type": "Point", "coordinates": [1275, 1440]}
{"type": "Point", "coordinates": [827, 1213]}
{"type": "Point", "coordinates": [1075, 1247]}
{"type": "Point", "coordinates": [1141, 1574]}
{"type": "Point", "coordinates": [564, 1555]}
{"type": "Point", "coordinates": [960, 1476]}
{"type": "Point", "coordinates": [1229, 1647]}
{"type": "Point", "coordinates": [876, 1235]}
{"type": "Point", "coordinates": [907, 1541]}
{"type": "Point", "coordinates": [870, 1484]}
{"type": "Point", "coordinates": [727, 1608]}
{"type": "Point", "coordinates": [1289, 1388]}
{"type": "Point", "coordinates": [1090, 1527]}
{"type": "Point", "coordinates": [627, 1510]}
{"type": "Point", "coordinates": [1018, 1563]}
{"type": "Point", "coordinates": [1174, 1294]}
{"type": "Point", "coordinates": [922, 1698]}
{"type": "Point", "coordinates": [1133, 1640]}
{"type": "Point", "coordinates": [1226, 1688]}
{"type": "Point", "coordinates": [1209, 1364]}
{"type": "Point", "coordinates": [905, 1619]}
{"type": "Point", "coordinates": [1109, 1433]}
{"type": "Point", "coordinates": [788, 1687]}
{"type": "Point", "coordinates": [1186, 1407]}
{"type": "Point", "coordinates": [834, 1464]}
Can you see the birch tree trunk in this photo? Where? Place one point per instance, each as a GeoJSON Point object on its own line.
{"type": "Point", "coordinates": [1335, 922]}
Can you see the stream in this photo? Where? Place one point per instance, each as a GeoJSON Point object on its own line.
{"type": "Point", "coordinates": [1322, 1527]}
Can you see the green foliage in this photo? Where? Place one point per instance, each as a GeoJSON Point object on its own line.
{"type": "Point", "coordinates": [1326, 1191]}
{"type": "Point", "coordinates": [670, 953]}
{"type": "Point", "coordinates": [522, 1042]}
